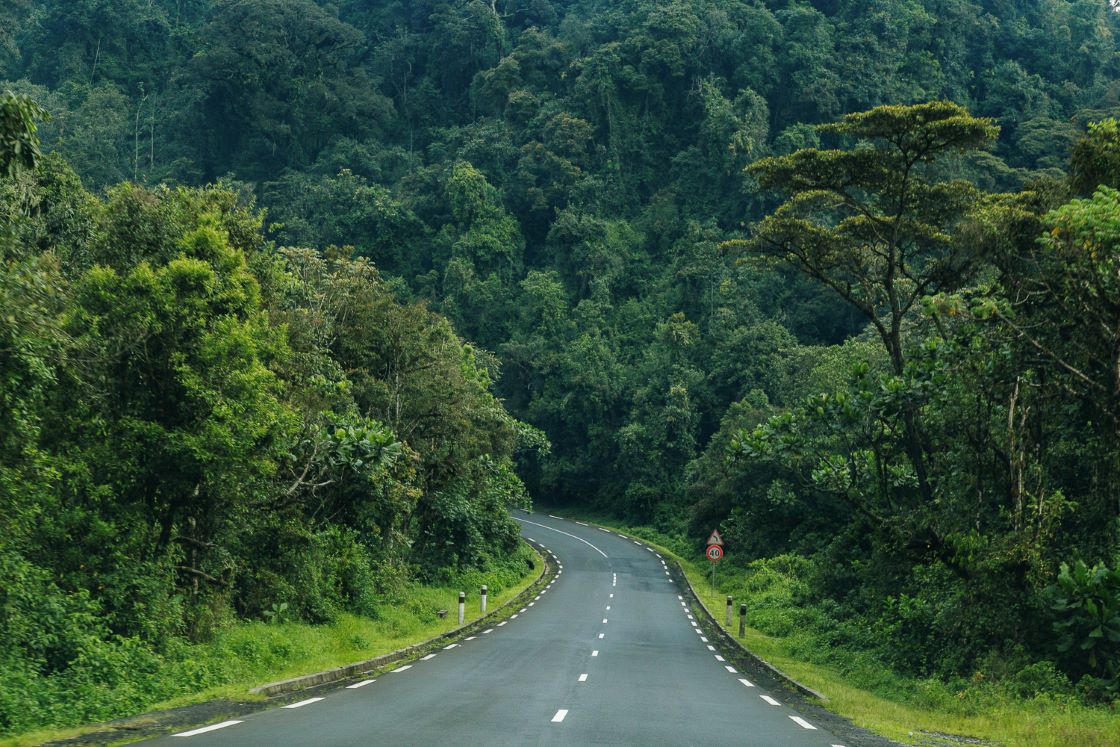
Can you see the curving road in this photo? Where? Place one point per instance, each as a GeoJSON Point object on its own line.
{"type": "Point", "coordinates": [608, 654]}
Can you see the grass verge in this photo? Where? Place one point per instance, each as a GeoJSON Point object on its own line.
{"type": "Point", "coordinates": [248, 654]}
{"type": "Point", "coordinates": [860, 688]}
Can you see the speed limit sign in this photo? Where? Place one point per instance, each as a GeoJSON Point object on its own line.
{"type": "Point", "coordinates": [715, 552]}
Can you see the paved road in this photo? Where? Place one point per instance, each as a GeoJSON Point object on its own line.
{"type": "Point", "coordinates": [608, 654]}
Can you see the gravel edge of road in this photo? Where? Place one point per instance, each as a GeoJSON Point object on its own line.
{"type": "Point", "coordinates": [159, 723]}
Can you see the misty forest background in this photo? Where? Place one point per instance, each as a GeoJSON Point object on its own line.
{"type": "Point", "coordinates": [598, 253]}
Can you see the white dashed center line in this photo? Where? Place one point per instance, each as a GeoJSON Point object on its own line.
{"type": "Point", "coordinates": [363, 683]}
{"type": "Point", "coordinates": [769, 700]}
{"type": "Point", "coordinates": [560, 715]}
{"type": "Point", "coordinates": [205, 729]}
{"type": "Point", "coordinates": [302, 703]}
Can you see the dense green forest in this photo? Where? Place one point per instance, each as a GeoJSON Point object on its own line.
{"type": "Point", "coordinates": [837, 276]}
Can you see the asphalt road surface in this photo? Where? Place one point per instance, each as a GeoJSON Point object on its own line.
{"type": "Point", "coordinates": [608, 654]}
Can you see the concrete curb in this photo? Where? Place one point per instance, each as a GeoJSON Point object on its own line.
{"type": "Point", "coordinates": [729, 639]}
{"type": "Point", "coordinates": [733, 641]}
{"type": "Point", "coordinates": [369, 665]}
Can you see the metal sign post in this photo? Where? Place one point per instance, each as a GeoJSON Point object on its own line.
{"type": "Point", "coordinates": [714, 553]}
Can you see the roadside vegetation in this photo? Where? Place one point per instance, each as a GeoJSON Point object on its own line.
{"type": "Point", "coordinates": [251, 653]}
{"type": "Point", "coordinates": [299, 297]}
{"type": "Point", "coordinates": [1036, 707]}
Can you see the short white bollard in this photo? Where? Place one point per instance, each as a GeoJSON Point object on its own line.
{"type": "Point", "coordinates": [462, 605]}
{"type": "Point", "coordinates": [482, 603]}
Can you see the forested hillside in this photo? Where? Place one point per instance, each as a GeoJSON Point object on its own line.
{"type": "Point", "coordinates": [881, 347]}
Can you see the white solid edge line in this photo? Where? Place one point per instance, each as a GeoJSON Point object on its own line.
{"type": "Point", "coordinates": [581, 539]}
{"type": "Point", "coordinates": [560, 715]}
{"type": "Point", "coordinates": [583, 678]}
{"type": "Point", "coordinates": [363, 683]}
{"type": "Point", "coordinates": [803, 723]}
{"type": "Point", "coordinates": [747, 683]}
{"type": "Point", "coordinates": [205, 729]}
{"type": "Point", "coordinates": [429, 657]}
{"type": "Point", "coordinates": [769, 700]}
{"type": "Point", "coordinates": [398, 670]}
{"type": "Point", "coordinates": [302, 703]}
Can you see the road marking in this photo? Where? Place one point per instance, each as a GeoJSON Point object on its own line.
{"type": "Point", "coordinates": [537, 598]}
{"type": "Point", "coordinates": [636, 542]}
{"type": "Point", "coordinates": [581, 539]}
{"type": "Point", "coordinates": [553, 516]}
{"type": "Point", "coordinates": [205, 729]}
{"type": "Point", "coordinates": [474, 636]}
{"type": "Point", "coordinates": [720, 658]}
{"type": "Point", "coordinates": [602, 634]}
{"type": "Point", "coordinates": [747, 683]}
{"type": "Point", "coordinates": [689, 615]}
{"type": "Point", "coordinates": [583, 678]}
{"type": "Point", "coordinates": [611, 596]}
{"type": "Point", "coordinates": [694, 624]}
{"type": "Point", "coordinates": [531, 539]}
{"type": "Point", "coordinates": [490, 630]}
{"type": "Point", "coordinates": [680, 597]}
{"type": "Point", "coordinates": [503, 622]}
{"type": "Point", "coordinates": [623, 536]}
{"type": "Point", "coordinates": [711, 647]}
{"type": "Point", "coordinates": [302, 703]}
{"type": "Point", "coordinates": [448, 648]}
{"type": "Point", "coordinates": [429, 657]}
{"type": "Point", "coordinates": [666, 573]}
{"type": "Point", "coordinates": [697, 631]}
{"type": "Point", "coordinates": [705, 640]}
{"type": "Point", "coordinates": [769, 700]}
{"type": "Point", "coordinates": [522, 610]}
{"type": "Point", "coordinates": [560, 715]}
{"type": "Point", "coordinates": [595, 652]}
{"type": "Point", "coordinates": [363, 683]}
{"type": "Point", "coordinates": [604, 530]}
{"type": "Point", "coordinates": [731, 669]}
{"type": "Point", "coordinates": [398, 670]}
{"type": "Point", "coordinates": [608, 608]}
{"type": "Point", "coordinates": [657, 554]}
{"type": "Point", "coordinates": [531, 603]}
{"type": "Point", "coordinates": [582, 523]}
{"type": "Point", "coordinates": [803, 723]}
{"type": "Point", "coordinates": [604, 621]}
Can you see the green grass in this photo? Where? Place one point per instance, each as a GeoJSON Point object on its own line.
{"type": "Point", "coordinates": [254, 653]}
{"type": "Point", "coordinates": [860, 688]}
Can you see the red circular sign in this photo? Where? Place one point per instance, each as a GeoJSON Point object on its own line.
{"type": "Point", "coordinates": [715, 552]}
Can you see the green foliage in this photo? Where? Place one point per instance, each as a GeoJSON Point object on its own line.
{"type": "Point", "coordinates": [1086, 603]}
{"type": "Point", "coordinates": [19, 144]}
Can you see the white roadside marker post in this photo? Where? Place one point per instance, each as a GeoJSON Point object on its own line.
{"type": "Point", "coordinates": [729, 605]}
{"type": "Point", "coordinates": [483, 602]}
{"type": "Point", "coordinates": [742, 619]}
{"type": "Point", "coordinates": [462, 605]}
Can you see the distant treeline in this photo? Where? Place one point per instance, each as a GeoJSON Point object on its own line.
{"type": "Point", "coordinates": [561, 180]}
